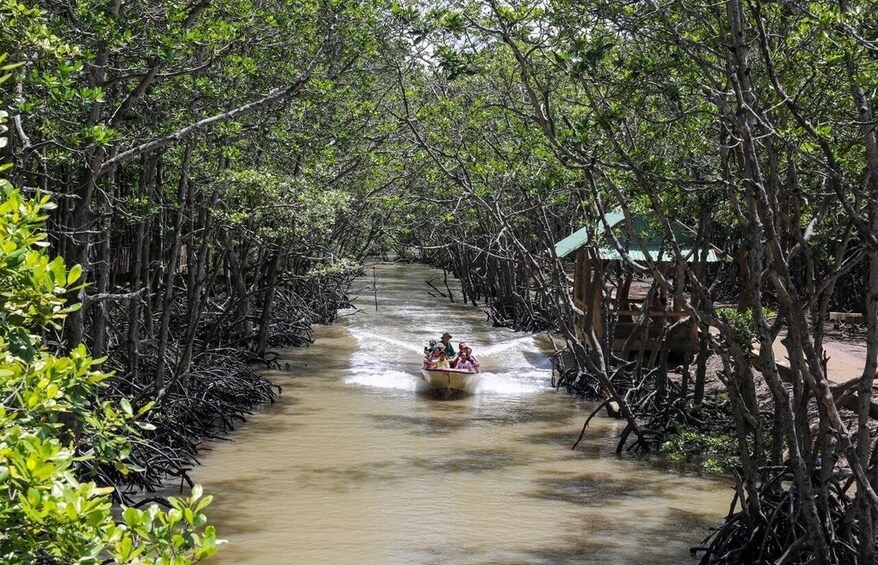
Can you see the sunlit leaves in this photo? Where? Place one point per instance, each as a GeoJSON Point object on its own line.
{"type": "Point", "coordinates": [53, 424]}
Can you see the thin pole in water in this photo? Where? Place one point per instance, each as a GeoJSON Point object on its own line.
{"type": "Point", "coordinates": [375, 288]}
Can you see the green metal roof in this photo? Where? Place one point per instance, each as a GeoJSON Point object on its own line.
{"type": "Point", "coordinates": [649, 242]}
{"type": "Point", "coordinates": [571, 243]}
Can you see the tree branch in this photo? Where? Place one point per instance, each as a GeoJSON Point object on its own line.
{"type": "Point", "coordinates": [168, 140]}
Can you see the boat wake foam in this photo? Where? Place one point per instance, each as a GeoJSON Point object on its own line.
{"type": "Point", "coordinates": [514, 382]}
{"type": "Point", "coordinates": [383, 378]}
{"type": "Point", "coordinates": [367, 336]}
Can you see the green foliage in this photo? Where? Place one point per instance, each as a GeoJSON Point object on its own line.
{"type": "Point", "coordinates": [339, 267]}
{"type": "Point", "coordinates": [742, 325]}
{"type": "Point", "coordinates": [54, 425]}
{"type": "Point", "coordinates": [713, 451]}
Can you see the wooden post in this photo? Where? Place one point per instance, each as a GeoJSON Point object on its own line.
{"type": "Point", "coordinates": [596, 298]}
{"type": "Point", "coordinates": [577, 276]}
{"type": "Point", "coordinates": [586, 304]}
{"type": "Point", "coordinates": [625, 291]}
{"type": "Point", "coordinates": [375, 287]}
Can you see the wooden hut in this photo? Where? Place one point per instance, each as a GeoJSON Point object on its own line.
{"type": "Point", "coordinates": [606, 288]}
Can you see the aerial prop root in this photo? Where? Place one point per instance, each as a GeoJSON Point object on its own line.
{"type": "Point", "coordinates": [779, 533]}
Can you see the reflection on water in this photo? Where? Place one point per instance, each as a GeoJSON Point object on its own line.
{"type": "Point", "coordinates": [357, 464]}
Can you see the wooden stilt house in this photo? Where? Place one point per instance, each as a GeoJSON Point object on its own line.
{"type": "Point", "coordinates": [611, 297]}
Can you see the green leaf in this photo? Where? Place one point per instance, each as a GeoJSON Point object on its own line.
{"type": "Point", "coordinates": [132, 517]}
{"type": "Point", "coordinates": [74, 274]}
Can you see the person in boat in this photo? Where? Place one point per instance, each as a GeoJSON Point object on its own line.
{"type": "Point", "coordinates": [440, 359]}
{"type": "Point", "coordinates": [446, 344]}
{"type": "Point", "coordinates": [464, 363]}
{"type": "Point", "coordinates": [460, 355]}
{"type": "Point", "coordinates": [428, 351]}
{"type": "Point", "coordinates": [466, 360]}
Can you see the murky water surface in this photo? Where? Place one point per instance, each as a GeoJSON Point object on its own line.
{"type": "Point", "coordinates": [355, 464]}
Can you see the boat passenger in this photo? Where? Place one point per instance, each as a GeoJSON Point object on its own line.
{"type": "Point", "coordinates": [431, 357]}
{"type": "Point", "coordinates": [440, 359]}
{"type": "Point", "coordinates": [466, 359]}
{"type": "Point", "coordinates": [459, 355]}
{"type": "Point", "coordinates": [464, 362]}
{"type": "Point", "coordinates": [449, 349]}
{"type": "Point", "coordinates": [474, 361]}
{"type": "Point", "coordinates": [428, 351]}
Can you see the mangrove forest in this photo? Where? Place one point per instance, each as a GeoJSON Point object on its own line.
{"type": "Point", "coordinates": [465, 281]}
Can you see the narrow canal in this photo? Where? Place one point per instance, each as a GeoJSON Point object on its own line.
{"type": "Point", "coordinates": [356, 465]}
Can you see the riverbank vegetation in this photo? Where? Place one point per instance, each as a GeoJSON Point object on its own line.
{"type": "Point", "coordinates": [198, 244]}
{"type": "Point", "coordinates": [221, 167]}
{"type": "Point", "coordinates": [60, 435]}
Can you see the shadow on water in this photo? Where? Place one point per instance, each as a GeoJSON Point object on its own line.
{"type": "Point", "coordinates": [593, 551]}
{"type": "Point", "coordinates": [587, 450]}
{"type": "Point", "coordinates": [471, 461]}
{"type": "Point", "coordinates": [343, 478]}
{"type": "Point", "coordinates": [552, 438]}
{"type": "Point", "coordinates": [427, 394]}
{"type": "Point", "coordinates": [516, 417]}
{"type": "Point", "coordinates": [590, 489]}
{"type": "Point", "coordinates": [420, 425]}
{"type": "Point", "coordinates": [269, 429]}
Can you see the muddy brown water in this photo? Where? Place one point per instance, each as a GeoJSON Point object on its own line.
{"type": "Point", "coordinates": [357, 464]}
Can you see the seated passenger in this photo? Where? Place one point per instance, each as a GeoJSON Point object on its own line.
{"type": "Point", "coordinates": [428, 352]}
{"type": "Point", "coordinates": [464, 363]}
{"type": "Point", "coordinates": [457, 358]}
{"type": "Point", "coordinates": [466, 359]}
{"type": "Point", "coordinates": [440, 360]}
{"type": "Point", "coordinates": [432, 357]}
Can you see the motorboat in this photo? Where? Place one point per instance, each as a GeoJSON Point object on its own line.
{"type": "Point", "coordinates": [449, 382]}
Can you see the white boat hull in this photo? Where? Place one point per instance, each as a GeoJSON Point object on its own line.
{"type": "Point", "coordinates": [450, 381]}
